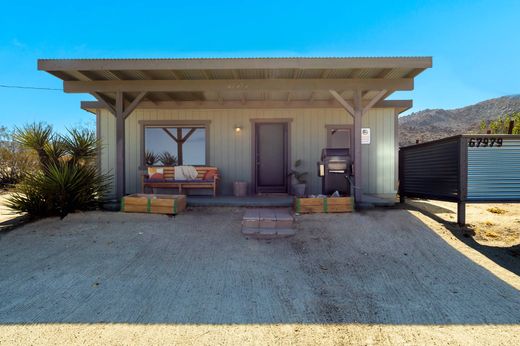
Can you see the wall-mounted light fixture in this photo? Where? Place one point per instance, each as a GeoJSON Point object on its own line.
{"type": "Point", "coordinates": [238, 129]}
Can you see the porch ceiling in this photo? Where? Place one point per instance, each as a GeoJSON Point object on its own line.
{"type": "Point", "coordinates": [236, 81]}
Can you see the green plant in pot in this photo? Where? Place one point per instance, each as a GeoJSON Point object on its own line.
{"type": "Point", "coordinates": [298, 189]}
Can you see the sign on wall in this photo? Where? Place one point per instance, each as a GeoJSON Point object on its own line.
{"type": "Point", "coordinates": [365, 135]}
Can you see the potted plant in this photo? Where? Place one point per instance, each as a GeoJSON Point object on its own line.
{"type": "Point", "coordinates": [298, 189]}
{"type": "Point", "coordinates": [168, 159]}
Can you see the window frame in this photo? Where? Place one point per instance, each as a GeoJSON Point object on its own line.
{"type": "Point", "coordinates": [143, 124]}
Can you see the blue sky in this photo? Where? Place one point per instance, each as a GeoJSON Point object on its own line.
{"type": "Point", "coordinates": [475, 44]}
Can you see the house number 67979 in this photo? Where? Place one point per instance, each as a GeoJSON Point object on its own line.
{"type": "Point", "coordinates": [482, 142]}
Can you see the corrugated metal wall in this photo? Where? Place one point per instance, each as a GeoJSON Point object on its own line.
{"type": "Point", "coordinates": [494, 172]}
{"type": "Point", "coordinates": [430, 170]}
{"type": "Point", "coordinates": [231, 151]}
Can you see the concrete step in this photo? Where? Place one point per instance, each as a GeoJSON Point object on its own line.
{"type": "Point", "coordinates": [268, 223]}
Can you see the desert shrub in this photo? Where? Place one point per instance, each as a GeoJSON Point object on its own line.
{"type": "Point", "coordinates": [67, 178]}
{"type": "Point", "coordinates": [14, 160]}
{"type": "Point", "coordinates": [501, 124]}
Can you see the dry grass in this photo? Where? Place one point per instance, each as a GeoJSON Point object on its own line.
{"type": "Point", "coordinates": [496, 210]}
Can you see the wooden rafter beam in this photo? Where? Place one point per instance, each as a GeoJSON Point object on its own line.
{"type": "Point", "coordinates": [270, 104]}
{"type": "Point", "coordinates": [175, 74]}
{"type": "Point", "coordinates": [343, 102]}
{"type": "Point", "coordinates": [133, 105]}
{"type": "Point", "coordinates": [80, 75]}
{"type": "Point", "coordinates": [109, 104]}
{"type": "Point", "coordinates": [374, 100]}
{"type": "Point", "coordinates": [114, 75]}
{"type": "Point", "coordinates": [413, 73]}
{"type": "Point", "coordinates": [237, 85]}
{"type": "Point", "coordinates": [384, 73]}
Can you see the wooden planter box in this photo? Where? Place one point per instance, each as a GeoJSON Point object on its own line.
{"type": "Point", "coordinates": [156, 204]}
{"type": "Point", "coordinates": [304, 205]}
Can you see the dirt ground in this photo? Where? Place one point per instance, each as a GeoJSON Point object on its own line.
{"type": "Point", "coordinates": [489, 224]}
{"type": "Point", "coordinates": [8, 218]}
{"type": "Point", "coordinates": [390, 276]}
{"type": "Point", "coordinates": [5, 213]}
{"type": "Point", "coordinates": [493, 230]}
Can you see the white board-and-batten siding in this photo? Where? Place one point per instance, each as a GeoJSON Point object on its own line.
{"type": "Point", "coordinates": [231, 151]}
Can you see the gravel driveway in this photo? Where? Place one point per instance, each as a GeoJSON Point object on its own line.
{"type": "Point", "coordinates": [380, 267]}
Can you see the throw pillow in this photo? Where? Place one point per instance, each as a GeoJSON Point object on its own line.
{"type": "Point", "coordinates": [153, 170]}
{"type": "Point", "coordinates": [210, 175]}
{"type": "Point", "coordinates": [157, 176]}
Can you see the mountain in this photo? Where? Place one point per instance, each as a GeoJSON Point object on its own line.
{"type": "Point", "coordinates": [430, 124]}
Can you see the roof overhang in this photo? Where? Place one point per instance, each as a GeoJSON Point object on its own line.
{"type": "Point", "coordinates": [249, 82]}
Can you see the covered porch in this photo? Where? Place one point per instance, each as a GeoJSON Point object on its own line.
{"type": "Point", "coordinates": [354, 85]}
{"type": "Point", "coordinates": [368, 201]}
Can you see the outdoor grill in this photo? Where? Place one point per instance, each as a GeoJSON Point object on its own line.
{"type": "Point", "coordinates": [334, 168]}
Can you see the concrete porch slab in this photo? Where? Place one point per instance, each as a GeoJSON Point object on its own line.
{"type": "Point", "coordinates": [232, 201]}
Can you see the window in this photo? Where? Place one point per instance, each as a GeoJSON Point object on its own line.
{"type": "Point", "coordinates": [339, 136]}
{"type": "Point", "coordinates": [174, 145]}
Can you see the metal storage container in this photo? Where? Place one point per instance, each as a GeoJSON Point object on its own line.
{"type": "Point", "coordinates": [462, 169]}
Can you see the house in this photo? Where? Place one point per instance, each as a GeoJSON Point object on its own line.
{"type": "Point", "coordinates": [251, 118]}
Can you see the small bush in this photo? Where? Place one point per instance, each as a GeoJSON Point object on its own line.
{"type": "Point", "coordinates": [67, 178]}
{"type": "Point", "coordinates": [496, 210]}
{"type": "Point", "coordinates": [14, 160]}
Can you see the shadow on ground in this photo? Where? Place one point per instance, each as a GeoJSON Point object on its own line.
{"type": "Point", "coordinates": [383, 267]}
{"type": "Point", "coordinates": [507, 257]}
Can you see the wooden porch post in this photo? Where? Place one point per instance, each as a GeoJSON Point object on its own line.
{"type": "Point", "coordinates": [118, 109]}
{"type": "Point", "coordinates": [120, 147]}
{"type": "Point", "coordinates": [358, 177]}
{"type": "Point", "coordinates": [357, 111]}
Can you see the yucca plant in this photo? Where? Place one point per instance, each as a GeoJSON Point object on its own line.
{"type": "Point", "coordinates": [168, 159]}
{"type": "Point", "coordinates": [35, 136]}
{"type": "Point", "coordinates": [67, 180]}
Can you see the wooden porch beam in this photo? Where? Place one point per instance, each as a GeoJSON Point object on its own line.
{"type": "Point", "coordinates": [237, 85]}
{"type": "Point", "coordinates": [358, 174]}
{"type": "Point", "coordinates": [374, 100]}
{"type": "Point", "coordinates": [343, 102]}
{"type": "Point", "coordinates": [120, 146]}
{"type": "Point", "coordinates": [110, 106]}
{"type": "Point", "coordinates": [267, 104]}
{"type": "Point", "coordinates": [133, 105]}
